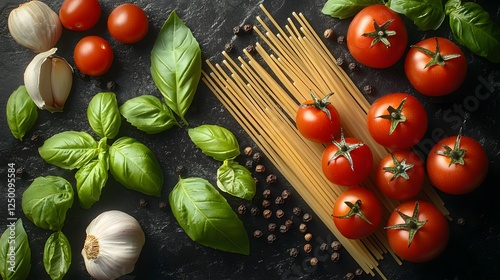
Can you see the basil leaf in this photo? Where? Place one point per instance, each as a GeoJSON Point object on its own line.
{"type": "Point", "coordinates": [176, 64]}
{"type": "Point", "coordinates": [46, 201]}
{"type": "Point", "coordinates": [57, 255]}
{"type": "Point", "coordinates": [215, 141]}
{"type": "Point", "coordinates": [148, 114]}
{"type": "Point", "coordinates": [90, 179]}
{"type": "Point", "coordinates": [426, 14]}
{"type": "Point", "coordinates": [346, 8]}
{"type": "Point", "coordinates": [236, 180]}
{"type": "Point", "coordinates": [69, 149]}
{"type": "Point", "coordinates": [135, 166]}
{"type": "Point", "coordinates": [21, 112]}
{"type": "Point", "coordinates": [206, 217]}
{"type": "Point", "coordinates": [15, 252]}
{"type": "Point", "coordinates": [473, 28]}
{"type": "Point", "coordinates": [103, 115]}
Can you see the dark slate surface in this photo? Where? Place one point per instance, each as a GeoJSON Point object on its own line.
{"type": "Point", "coordinates": [169, 254]}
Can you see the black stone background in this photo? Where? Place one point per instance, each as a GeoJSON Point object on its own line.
{"type": "Point", "coordinates": [472, 252]}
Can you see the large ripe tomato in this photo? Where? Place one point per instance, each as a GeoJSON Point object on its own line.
{"type": "Point", "coordinates": [93, 55]}
{"type": "Point", "coordinates": [79, 14]}
{"type": "Point", "coordinates": [426, 222]}
{"type": "Point", "coordinates": [347, 162]}
{"type": "Point", "coordinates": [128, 23]}
{"type": "Point", "coordinates": [397, 121]}
{"type": "Point", "coordinates": [436, 66]}
{"type": "Point", "coordinates": [377, 37]}
{"type": "Point", "coordinates": [457, 165]}
{"type": "Point", "coordinates": [400, 175]}
{"type": "Point", "coordinates": [318, 120]}
{"type": "Point", "coordinates": [357, 213]}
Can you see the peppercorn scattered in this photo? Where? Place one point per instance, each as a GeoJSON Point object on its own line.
{"type": "Point", "coordinates": [368, 89]}
{"type": "Point", "coordinates": [461, 221]}
{"type": "Point", "coordinates": [271, 227]}
{"type": "Point", "coordinates": [266, 193]}
{"type": "Point", "coordinates": [143, 203]}
{"type": "Point", "coordinates": [294, 252]}
{"type": "Point", "coordinates": [289, 223]}
{"type": "Point", "coordinates": [250, 48]}
{"type": "Point", "coordinates": [256, 180]}
{"type": "Point", "coordinates": [303, 228]}
{"type": "Point", "coordinates": [267, 214]}
{"type": "Point", "coordinates": [271, 179]}
{"type": "Point", "coordinates": [359, 272]}
{"type": "Point", "coordinates": [349, 276]}
{"type": "Point", "coordinates": [328, 34]}
{"type": "Point", "coordinates": [242, 209]}
{"type": "Point", "coordinates": [180, 169]}
{"type": "Point", "coordinates": [341, 39]}
{"type": "Point", "coordinates": [236, 30]}
{"type": "Point", "coordinates": [260, 168]}
{"type": "Point", "coordinates": [249, 164]}
{"type": "Point", "coordinates": [353, 66]}
{"type": "Point", "coordinates": [335, 256]}
{"type": "Point", "coordinates": [266, 203]}
{"type": "Point", "coordinates": [336, 245]}
{"type": "Point", "coordinates": [307, 248]}
{"type": "Point", "coordinates": [296, 211]}
{"type": "Point", "coordinates": [257, 157]}
{"type": "Point", "coordinates": [248, 151]}
{"type": "Point", "coordinates": [323, 247]}
{"type": "Point", "coordinates": [313, 261]}
{"type": "Point", "coordinates": [228, 47]}
{"type": "Point", "coordinates": [280, 213]}
{"type": "Point", "coordinates": [308, 237]}
{"type": "Point", "coordinates": [111, 85]}
{"type": "Point", "coordinates": [307, 217]}
{"type": "Point", "coordinates": [254, 211]}
{"type": "Point", "coordinates": [285, 194]}
{"type": "Point", "coordinates": [271, 238]}
{"type": "Point", "coordinates": [283, 228]}
{"type": "Point", "coordinates": [339, 61]}
{"type": "Point", "coordinates": [257, 233]}
{"type": "Point", "coordinates": [247, 28]}
{"type": "Point", "coordinates": [19, 171]}
{"type": "Point", "coordinates": [279, 200]}
{"type": "Point", "coordinates": [162, 205]}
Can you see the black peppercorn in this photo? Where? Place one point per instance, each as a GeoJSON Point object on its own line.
{"type": "Point", "coordinates": [341, 39]}
{"type": "Point", "coordinates": [359, 272]}
{"type": "Point", "coordinates": [461, 221]}
{"type": "Point", "coordinates": [368, 89]}
{"type": "Point", "coordinates": [266, 193]}
{"type": "Point", "coordinates": [294, 252]}
{"type": "Point", "coordinates": [303, 228]}
{"type": "Point", "coordinates": [271, 179]}
{"type": "Point", "coordinates": [296, 211]}
{"type": "Point", "coordinates": [162, 205]}
{"type": "Point", "coordinates": [257, 233]}
{"type": "Point", "coordinates": [228, 47]}
{"type": "Point", "coordinates": [180, 169]}
{"type": "Point", "coordinates": [285, 194]}
{"type": "Point", "coordinates": [335, 256]}
{"type": "Point", "coordinates": [280, 213]}
{"type": "Point", "coordinates": [242, 209]}
{"type": "Point", "coordinates": [307, 248]}
{"type": "Point", "coordinates": [254, 211]}
{"type": "Point", "coordinates": [271, 227]}
{"type": "Point", "coordinates": [336, 245]}
{"type": "Point", "coordinates": [308, 237]}
{"type": "Point", "coordinates": [279, 200]}
{"type": "Point", "coordinates": [323, 247]}
{"type": "Point", "coordinates": [307, 217]}
{"type": "Point", "coordinates": [328, 34]}
{"type": "Point", "coordinates": [249, 164]}
{"type": "Point", "coordinates": [266, 203]}
{"type": "Point", "coordinates": [267, 214]}
{"type": "Point", "coordinates": [247, 28]}
{"type": "Point", "coordinates": [340, 61]}
{"type": "Point", "coordinates": [236, 30]}
{"type": "Point", "coordinates": [248, 151]}
{"type": "Point", "coordinates": [260, 168]}
{"type": "Point", "coordinates": [257, 157]}
{"type": "Point", "coordinates": [256, 180]}
{"type": "Point", "coordinates": [313, 261]}
{"type": "Point", "coordinates": [349, 276]}
{"type": "Point", "coordinates": [250, 48]}
{"type": "Point", "coordinates": [111, 85]}
{"type": "Point", "coordinates": [283, 228]}
{"type": "Point", "coordinates": [289, 223]}
{"type": "Point", "coordinates": [353, 66]}
{"type": "Point", "coordinates": [271, 238]}
{"type": "Point", "coordinates": [19, 171]}
{"type": "Point", "coordinates": [143, 203]}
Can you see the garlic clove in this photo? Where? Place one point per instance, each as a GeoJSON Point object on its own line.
{"type": "Point", "coordinates": [61, 77]}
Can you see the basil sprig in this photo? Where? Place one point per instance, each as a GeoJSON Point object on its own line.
{"type": "Point", "coordinates": [236, 180]}
{"type": "Point", "coordinates": [15, 261]}
{"type": "Point", "coordinates": [57, 255]}
{"type": "Point", "coordinates": [206, 217]}
{"type": "Point", "coordinates": [215, 141]}
{"type": "Point", "coordinates": [346, 8]}
{"type": "Point", "coordinates": [103, 115]}
{"type": "Point", "coordinates": [21, 112]}
{"type": "Point", "coordinates": [148, 114]}
{"type": "Point", "coordinates": [426, 14]}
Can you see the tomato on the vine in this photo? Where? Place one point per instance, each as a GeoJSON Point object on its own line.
{"type": "Point", "coordinates": [128, 23]}
{"type": "Point", "coordinates": [357, 213]}
{"type": "Point", "coordinates": [377, 37]}
{"type": "Point", "coordinates": [318, 120]}
{"type": "Point", "coordinates": [457, 164]}
{"type": "Point", "coordinates": [79, 14]}
{"type": "Point", "coordinates": [93, 55]}
{"type": "Point", "coordinates": [397, 121]}
{"type": "Point", "coordinates": [435, 66]}
{"type": "Point", "coordinates": [417, 231]}
{"type": "Point", "coordinates": [347, 162]}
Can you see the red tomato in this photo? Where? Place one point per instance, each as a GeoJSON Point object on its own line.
{"type": "Point", "coordinates": [347, 162]}
{"type": "Point", "coordinates": [457, 165]}
{"type": "Point", "coordinates": [436, 66]}
{"type": "Point", "coordinates": [400, 175]}
{"type": "Point", "coordinates": [377, 37]}
{"type": "Point", "coordinates": [429, 226]}
{"type": "Point", "coordinates": [128, 23]}
{"type": "Point", "coordinates": [400, 113]}
{"type": "Point", "coordinates": [93, 56]}
{"type": "Point", "coordinates": [318, 120]}
{"type": "Point", "coordinates": [357, 213]}
{"type": "Point", "coordinates": [79, 14]}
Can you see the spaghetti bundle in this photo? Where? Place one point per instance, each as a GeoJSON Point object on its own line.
{"type": "Point", "coordinates": [265, 102]}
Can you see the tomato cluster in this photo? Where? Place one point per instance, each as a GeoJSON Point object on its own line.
{"type": "Point", "coordinates": [93, 55]}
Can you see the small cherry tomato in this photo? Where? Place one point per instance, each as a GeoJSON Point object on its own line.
{"type": "Point", "coordinates": [457, 165]}
{"type": "Point", "coordinates": [79, 14]}
{"type": "Point", "coordinates": [357, 213]}
{"type": "Point", "coordinates": [397, 121]}
{"type": "Point", "coordinates": [400, 175]}
{"type": "Point", "coordinates": [347, 162]}
{"type": "Point", "coordinates": [417, 231]}
{"type": "Point", "coordinates": [93, 56]}
{"type": "Point", "coordinates": [128, 23]}
{"type": "Point", "coordinates": [435, 66]}
{"type": "Point", "coordinates": [318, 120]}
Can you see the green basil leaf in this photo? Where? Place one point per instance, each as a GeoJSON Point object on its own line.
{"type": "Point", "coordinates": [346, 8]}
{"type": "Point", "coordinates": [90, 179]}
{"type": "Point", "coordinates": [176, 64]}
{"type": "Point", "coordinates": [473, 28]}
{"type": "Point", "coordinates": [135, 166]}
{"type": "Point", "coordinates": [57, 255]}
{"type": "Point", "coordinates": [21, 112]}
{"type": "Point", "coordinates": [236, 180]}
{"type": "Point", "coordinates": [206, 217]}
{"type": "Point", "coordinates": [15, 252]}
{"type": "Point", "coordinates": [69, 149]}
{"type": "Point", "coordinates": [46, 201]}
{"type": "Point", "coordinates": [215, 141]}
{"type": "Point", "coordinates": [426, 14]}
{"type": "Point", "coordinates": [148, 114]}
{"type": "Point", "coordinates": [103, 115]}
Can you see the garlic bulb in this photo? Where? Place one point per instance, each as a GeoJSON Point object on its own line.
{"type": "Point", "coordinates": [113, 245]}
{"type": "Point", "coordinates": [35, 26]}
{"type": "Point", "coordinates": [48, 80]}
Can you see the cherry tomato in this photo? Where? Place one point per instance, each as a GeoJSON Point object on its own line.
{"type": "Point", "coordinates": [79, 14]}
{"type": "Point", "coordinates": [93, 56]}
{"type": "Point", "coordinates": [128, 23]}
{"type": "Point", "coordinates": [318, 120]}
{"type": "Point", "coordinates": [347, 162]}
{"type": "Point", "coordinates": [430, 228]}
{"type": "Point", "coordinates": [377, 37]}
{"type": "Point", "coordinates": [357, 213]}
{"type": "Point", "coordinates": [400, 175]}
{"type": "Point", "coordinates": [435, 66]}
{"type": "Point", "coordinates": [457, 165]}
{"type": "Point", "coordinates": [397, 121]}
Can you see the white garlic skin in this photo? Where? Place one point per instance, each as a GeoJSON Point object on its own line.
{"type": "Point", "coordinates": [119, 243]}
{"type": "Point", "coordinates": [35, 26]}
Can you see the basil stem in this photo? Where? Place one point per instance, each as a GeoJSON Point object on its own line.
{"type": "Point", "coordinates": [236, 180]}
{"type": "Point", "coordinates": [57, 255]}
{"type": "Point", "coordinates": [346, 8]}
{"type": "Point", "coordinates": [21, 112]}
{"type": "Point", "coordinates": [215, 141]}
{"type": "Point", "coordinates": [15, 261]}
{"type": "Point", "coordinates": [103, 115]}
